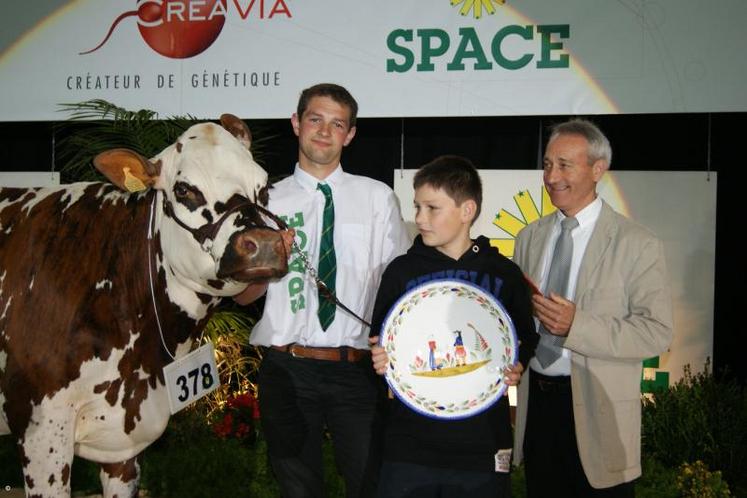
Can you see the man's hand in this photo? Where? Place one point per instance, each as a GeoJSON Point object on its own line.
{"type": "Point", "coordinates": [288, 236]}
{"type": "Point", "coordinates": [555, 313]}
{"type": "Point", "coordinates": [251, 293]}
{"type": "Point", "coordinates": [379, 358]}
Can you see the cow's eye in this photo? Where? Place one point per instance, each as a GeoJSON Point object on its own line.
{"type": "Point", "coordinates": [188, 196]}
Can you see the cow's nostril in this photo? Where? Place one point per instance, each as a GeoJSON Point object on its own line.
{"type": "Point", "coordinates": [248, 246]}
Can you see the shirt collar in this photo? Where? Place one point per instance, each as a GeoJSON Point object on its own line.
{"type": "Point", "coordinates": [587, 216]}
{"type": "Point", "coordinates": [309, 182]}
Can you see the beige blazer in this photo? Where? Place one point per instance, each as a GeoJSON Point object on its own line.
{"type": "Point", "coordinates": [623, 316]}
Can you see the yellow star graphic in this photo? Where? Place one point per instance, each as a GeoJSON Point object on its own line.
{"type": "Point", "coordinates": [477, 6]}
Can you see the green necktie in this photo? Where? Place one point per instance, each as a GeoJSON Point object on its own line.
{"type": "Point", "coordinates": [327, 267]}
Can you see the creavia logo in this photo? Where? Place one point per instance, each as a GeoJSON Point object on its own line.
{"type": "Point", "coordinates": [476, 6]}
{"type": "Point", "coordinates": [180, 29]}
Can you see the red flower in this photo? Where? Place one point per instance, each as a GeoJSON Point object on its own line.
{"type": "Point", "coordinates": [239, 418]}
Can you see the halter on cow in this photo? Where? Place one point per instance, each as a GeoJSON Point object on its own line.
{"type": "Point", "coordinates": [81, 359]}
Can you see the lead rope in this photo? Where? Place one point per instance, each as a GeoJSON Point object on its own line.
{"type": "Point", "coordinates": [150, 278]}
{"type": "Point", "coordinates": [326, 292]}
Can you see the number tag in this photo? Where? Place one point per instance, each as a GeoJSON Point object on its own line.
{"type": "Point", "coordinates": [191, 377]}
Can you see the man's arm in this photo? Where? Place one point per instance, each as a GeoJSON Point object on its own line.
{"type": "Point", "coordinates": [396, 238]}
{"type": "Point", "coordinates": [388, 292]}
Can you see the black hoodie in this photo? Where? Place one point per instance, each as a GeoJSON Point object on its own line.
{"type": "Point", "coordinates": [470, 443]}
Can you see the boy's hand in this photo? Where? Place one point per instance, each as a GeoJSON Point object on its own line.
{"type": "Point", "coordinates": [379, 358]}
{"type": "Point", "coordinates": [513, 375]}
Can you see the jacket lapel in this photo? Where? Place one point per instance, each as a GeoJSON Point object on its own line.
{"type": "Point", "coordinates": [537, 247]}
{"type": "Point", "coordinates": [599, 243]}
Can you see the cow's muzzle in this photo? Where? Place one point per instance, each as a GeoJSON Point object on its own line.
{"type": "Point", "coordinates": [252, 255]}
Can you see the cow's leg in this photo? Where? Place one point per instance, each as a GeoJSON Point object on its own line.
{"type": "Point", "coordinates": [120, 479]}
{"type": "Point", "coordinates": [47, 455]}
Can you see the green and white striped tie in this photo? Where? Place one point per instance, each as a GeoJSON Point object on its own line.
{"type": "Point", "coordinates": [327, 266]}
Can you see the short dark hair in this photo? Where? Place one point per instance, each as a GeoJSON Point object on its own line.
{"type": "Point", "coordinates": [336, 92]}
{"type": "Point", "coordinates": [455, 175]}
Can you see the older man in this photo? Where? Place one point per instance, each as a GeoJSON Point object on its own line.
{"type": "Point", "coordinates": [605, 307]}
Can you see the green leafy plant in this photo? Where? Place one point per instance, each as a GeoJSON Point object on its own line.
{"type": "Point", "coordinates": [189, 460]}
{"type": "Point", "coordinates": [696, 481]}
{"type": "Point", "coordinates": [95, 126]}
{"type": "Point", "coordinates": [657, 481]}
{"type": "Point", "coordinates": [237, 360]}
{"type": "Point", "coordinates": [518, 484]}
{"type": "Point", "coordinates": [701, 417]}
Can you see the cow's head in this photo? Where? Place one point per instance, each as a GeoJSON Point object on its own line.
{"type": "Point", "coordinates": [210, 223]}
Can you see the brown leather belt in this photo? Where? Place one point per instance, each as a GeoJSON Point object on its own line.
{"type": "Point", "coordinates": [342, 353]}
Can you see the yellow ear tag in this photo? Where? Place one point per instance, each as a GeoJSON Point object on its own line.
{"type": "Point", "coordinates": [132, 183]}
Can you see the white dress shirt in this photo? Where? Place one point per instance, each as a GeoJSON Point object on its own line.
{"type": "Point", "coordinates": [587, 219]}
{"type": "Point", "coordinates": [368, 233]}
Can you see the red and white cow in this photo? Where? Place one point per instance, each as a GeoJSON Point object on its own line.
{"type": "Point", "coordinates": [81, 358]}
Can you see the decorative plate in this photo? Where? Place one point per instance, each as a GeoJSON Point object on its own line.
{"type": "Point", "coordinates": [448, 342]}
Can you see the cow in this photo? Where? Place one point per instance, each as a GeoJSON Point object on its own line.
{"type": "Point", "coordinates": [101, 283]}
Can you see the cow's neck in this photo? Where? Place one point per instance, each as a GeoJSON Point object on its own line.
{"type": "Point", "coordinates": [182, 309]}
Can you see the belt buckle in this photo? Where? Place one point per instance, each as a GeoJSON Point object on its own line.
{"type": "Point", "coordinates": [552, 387]}
{"type": "Point", "coordinates": [292, 350]}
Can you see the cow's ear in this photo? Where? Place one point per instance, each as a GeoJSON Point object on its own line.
{"type": "Point", "coordinates": [237, 128]}
{"type": "Point", "coordinates": [127, 169]}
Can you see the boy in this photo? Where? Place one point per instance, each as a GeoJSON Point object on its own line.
{"type": "Point", "coordinates": [426, 457]}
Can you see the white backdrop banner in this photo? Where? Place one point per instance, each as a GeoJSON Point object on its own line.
{"type": "Point", "coordinates": [679, 207]}
{"type": "Point", "coordinates": [413, 58]}
{"type": "Point", "coordinates": [27, 179]}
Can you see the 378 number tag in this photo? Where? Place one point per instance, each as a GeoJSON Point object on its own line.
{"type": "Point", "coordinates": [191, 377]}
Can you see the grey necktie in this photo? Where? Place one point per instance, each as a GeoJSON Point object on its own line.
{"type": "Point", "coordinates": [549, 347]}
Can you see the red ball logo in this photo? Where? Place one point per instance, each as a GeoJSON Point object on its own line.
{"type": "Point", "coordinates": [177, 29]}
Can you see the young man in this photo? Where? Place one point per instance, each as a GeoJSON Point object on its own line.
{"type": "Point", "coordinates": [425, 457]}
{"type": "Point", "coordinates": [316, 373]}
{"type": "Point", "coordinates": [580, 404]}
